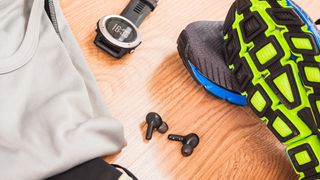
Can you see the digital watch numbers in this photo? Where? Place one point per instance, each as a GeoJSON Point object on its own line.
{"type": "Point", "coordinates": [120, 30]}
{"type": "Point", "coordinates": [124, 32]}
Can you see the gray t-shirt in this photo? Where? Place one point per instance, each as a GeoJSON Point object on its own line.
{"type": "Point", "coordinates": [52, 116]}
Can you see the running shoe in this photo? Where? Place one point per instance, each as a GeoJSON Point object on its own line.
{"type": "Point", "coordinates": [272, 49]}
{"type": "Point", "coordinates": [200, 46]}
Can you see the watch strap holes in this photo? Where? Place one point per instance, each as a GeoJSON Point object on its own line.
{"type": "Point", "coordinates": [139, 7]}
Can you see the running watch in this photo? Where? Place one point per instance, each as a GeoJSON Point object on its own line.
{"type": "Point", "coordinates": [119, 34]}
{"type": "Point", "coordinates": [273, 49]}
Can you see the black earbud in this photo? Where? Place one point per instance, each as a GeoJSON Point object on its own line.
{"type": "Point", "coordinates": [189, 142]}
{"type": "Point", "coordinates": [154, 121]}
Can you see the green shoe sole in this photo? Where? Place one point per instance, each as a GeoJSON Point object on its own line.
{"type": "Point", "coordinates": [272, 48]}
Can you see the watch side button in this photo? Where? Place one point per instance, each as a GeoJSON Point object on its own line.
{"type": "Point", "coordinates": [132, 51]}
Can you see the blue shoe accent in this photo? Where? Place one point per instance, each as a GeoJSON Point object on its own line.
{"type": "Point", "coordinates": [306, 20]}
{"type": "Point", "coordinates": [218, 91]}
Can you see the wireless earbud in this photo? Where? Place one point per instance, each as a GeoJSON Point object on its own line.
{"type": "Point", "coordinates": [154, 121]}
{"type": "Point", "coordinates": [189, 142]}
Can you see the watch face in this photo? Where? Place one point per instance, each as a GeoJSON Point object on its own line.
{"type": "Point", "coordinates": [121, 30]}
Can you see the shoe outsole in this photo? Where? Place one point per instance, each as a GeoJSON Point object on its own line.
{"type": "Point", "coordinates": [272, 49]}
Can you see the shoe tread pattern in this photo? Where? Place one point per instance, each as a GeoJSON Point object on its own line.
{"type": "Point", "coordinates": [275, 59]}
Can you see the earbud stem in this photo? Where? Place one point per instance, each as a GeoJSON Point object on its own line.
{"type": "Point", "coordinates": [174, 137]}
{"type": "Point", "coordinates": [149, 131]}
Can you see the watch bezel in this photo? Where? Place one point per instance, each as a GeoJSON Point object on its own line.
{"type": "Point", "coordinates": [112, 40]}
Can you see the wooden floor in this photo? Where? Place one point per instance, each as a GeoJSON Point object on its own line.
{"type": "Point", "coordinates": [234, 143]}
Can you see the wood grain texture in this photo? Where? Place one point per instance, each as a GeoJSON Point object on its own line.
{"type": "Point", "coordinates": [234, 143]}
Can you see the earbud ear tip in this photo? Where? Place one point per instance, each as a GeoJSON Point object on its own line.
{"type": "Point", "coordinates": [186, 150]}
{"type": "Point", "coordinates": [163, 128]}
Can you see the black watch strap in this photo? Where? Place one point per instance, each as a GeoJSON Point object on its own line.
{"type": "Point", "coordinates": [137, 10]}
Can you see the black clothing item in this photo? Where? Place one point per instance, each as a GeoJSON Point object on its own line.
{"type": "Point", "coordinates": [96, 169]}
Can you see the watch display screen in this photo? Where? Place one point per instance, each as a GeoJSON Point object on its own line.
{"type": "Point", "coordinates": [121, 30]}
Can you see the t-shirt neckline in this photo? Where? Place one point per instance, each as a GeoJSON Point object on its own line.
{"type": "Point", "coordinates": [29, 42]}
